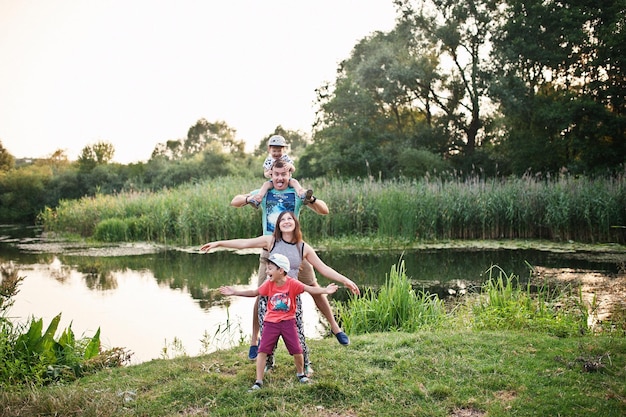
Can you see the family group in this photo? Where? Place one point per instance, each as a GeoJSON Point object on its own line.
{"type": "Point", "coordinates": [287, 266]}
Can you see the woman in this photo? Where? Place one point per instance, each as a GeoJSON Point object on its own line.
{"type": "Point", "coordinates": [287, 240]}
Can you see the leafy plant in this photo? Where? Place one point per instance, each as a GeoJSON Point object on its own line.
{"type": "Point", "coordinates": [30, 355]}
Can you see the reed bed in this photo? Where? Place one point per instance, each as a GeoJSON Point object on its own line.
{"type": "Point", "coordinates": [561, 209]}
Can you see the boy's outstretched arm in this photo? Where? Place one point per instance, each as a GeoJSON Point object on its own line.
{"type": "Point", "coordinates": [242, 293]}
{"type": "Point", "coordinates": [330, 289]}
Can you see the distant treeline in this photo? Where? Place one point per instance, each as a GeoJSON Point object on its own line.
{"type": "Point", "coordinates": [561, 209]}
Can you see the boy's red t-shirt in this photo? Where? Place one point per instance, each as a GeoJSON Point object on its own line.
{"type": "Point", "coordinates": [281, 300]}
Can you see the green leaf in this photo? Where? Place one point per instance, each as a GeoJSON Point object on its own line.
{"type": "Point", "coordinates": [93, 347]}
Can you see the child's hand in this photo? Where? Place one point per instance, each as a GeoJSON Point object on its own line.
{"type": "Point", "coordinates": [331, 288]}
{"type": "Point", "coordinates": [258, 198]}
{"type": "Point", "coordinates": [208, 246]}
{"type": "Point", "coordinates": [227, 290]}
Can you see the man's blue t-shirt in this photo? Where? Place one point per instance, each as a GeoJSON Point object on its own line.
{"type": "Point", "coordinates": [274, 203]}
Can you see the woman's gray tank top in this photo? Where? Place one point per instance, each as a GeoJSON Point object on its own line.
{"type": "Point", "coordinates": [293, 251]}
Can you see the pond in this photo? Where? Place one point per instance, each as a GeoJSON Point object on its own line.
{"type": "Point", "coordinates": [161, 302]}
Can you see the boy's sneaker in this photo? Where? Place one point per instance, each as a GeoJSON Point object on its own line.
{"type": "Point", "coordinates": [308, 196]}
{"type": "Point", "coordinates": [303, 379]}
{"type": "Point", "coordinates": [257, 385]}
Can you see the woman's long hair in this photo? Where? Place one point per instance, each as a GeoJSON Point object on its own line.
{"type": "Point", "coordinates": [297, 232]}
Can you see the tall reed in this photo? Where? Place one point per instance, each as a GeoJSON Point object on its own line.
{"type": "Point", "coordinates": [564, 208]}
{"type": "Point", "coordinates": [393, 307]}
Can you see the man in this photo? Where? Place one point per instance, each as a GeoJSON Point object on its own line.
{"type": "Point", "coordinates": [278, 199]}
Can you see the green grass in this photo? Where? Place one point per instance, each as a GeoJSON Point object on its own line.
{"type": "Point", "coordinates": [505, 350]}
{"type": "Point", "coordinates": [428, 373]}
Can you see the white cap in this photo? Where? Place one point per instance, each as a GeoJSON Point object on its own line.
{"type": "Point", "coordinates": [280, 261]}
{"type": "Point", "coordinates": [277, 140]}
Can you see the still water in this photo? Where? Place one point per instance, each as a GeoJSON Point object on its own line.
{"type": "Point", "coordinates": [147, 299]}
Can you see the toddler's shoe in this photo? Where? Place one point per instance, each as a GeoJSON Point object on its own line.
{"type": "Point", "coordinates": [308, 197]}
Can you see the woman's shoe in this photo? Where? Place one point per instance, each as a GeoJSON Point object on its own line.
{"type": "Point", "coordinates": [342, 338]}
{"type": "Point", "coordinates": [253, 352]}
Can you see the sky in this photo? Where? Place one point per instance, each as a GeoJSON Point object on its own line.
{"type": "Point", "coordinates": [135, 73]}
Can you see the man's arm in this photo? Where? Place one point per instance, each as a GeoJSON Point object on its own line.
{"type": "Point", "coordinates": [318, 206]}
{"type": "Point", "coordinates": [240, 200]}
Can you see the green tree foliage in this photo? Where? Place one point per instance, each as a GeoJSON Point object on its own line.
{"type": "Point", "coordinates": [367, 118]}
{"type": "Point", "coordinates": [23, 193]}
{"type": "Point", "coordinates": [96, 154]}
{"type": "Point", "coordinates": [562, 95]}
{"type": "Point", "coordinates": [7, 161]}
{"type": "Point", "coordinates": [201, 136]}
{"type": "Point", "coordinates": [421, 86]}
{"type": "Point", "coordinates": [460, 33]}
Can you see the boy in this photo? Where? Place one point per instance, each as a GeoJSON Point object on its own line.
{"type": "Point", "coordinates": [280, 319]}
{"type": "Point", "coordinates": [276, 147]}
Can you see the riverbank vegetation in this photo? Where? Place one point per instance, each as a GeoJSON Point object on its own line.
{"type": "Point", "coordinates": [32, 357]}
{"type": "Point", "coordinates": [559, 209]}
{"type": "Point", "coordinates": [503, 350]}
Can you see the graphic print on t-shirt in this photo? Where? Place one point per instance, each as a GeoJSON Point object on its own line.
{"type": "Point", "coordinates": [279, 302]}
{"type": "Point", "coordinates": [275, 204]}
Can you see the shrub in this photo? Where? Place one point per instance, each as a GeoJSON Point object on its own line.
{"type": "Point", "coordinates": [111, 230]}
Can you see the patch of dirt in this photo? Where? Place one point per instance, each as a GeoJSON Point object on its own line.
{"type": "Point", "coordinates": [467, 412]}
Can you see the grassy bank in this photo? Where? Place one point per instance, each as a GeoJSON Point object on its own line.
{"type": "Point", "coordinates": [507, 350]}
{"type": "Point", "coordinates": [441, 373]}
{"type": "Point", "coordinates": [563, 209]}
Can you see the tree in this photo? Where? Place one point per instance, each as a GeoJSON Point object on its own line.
{"type": "Point", "coordinates": [562, 95]}
{"type": "Point", "coordinates": [171, 150]}
{"type": "Point", "coordinates": [460, 32]}
{"type": "Point", "coordinates": [7, 161]}
{"type": "Point", "coordinates": [96, 154]}
{"type": "Point", "coordinates": [203, 133]}
{"type": "Point", "coordinates": [381, 104]}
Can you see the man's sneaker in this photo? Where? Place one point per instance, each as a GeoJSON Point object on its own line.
{"type": "Point", "coordinates": [308, 197]}
{"type": "Point", "coordinates": [253, 352]}
{"type": "Point", "coordinates": [342, 338]}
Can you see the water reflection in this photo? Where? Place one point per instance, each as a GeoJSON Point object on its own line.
{"type": "Point", "coordinates": [144, 301]}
